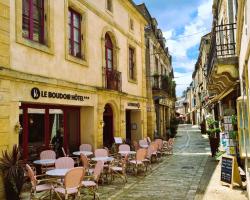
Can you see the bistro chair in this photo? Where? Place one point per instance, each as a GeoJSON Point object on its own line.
{"type": "Point", "coordinates": [71, 184]}
{"type": "Point", "coordinates": [85, 163]}
{"type": "Point", "coordinates": [47, 154]}
{"type": "Point", "coordinates": [168, 146]}
{"type": "Point", "coordinates": [119, 169]}
{"type": "Point", "coordinates": [91, 182]}
{"type": "Point", "coordinates": [41, 186]}
{"type": "Point", "coordinates": [101, 153]}
{"type": "Point", "coordinates": [124, 147]}
{"type": "Point", "coordinates": [138, 161]}
{"type": "Point", "coordinates": [75, 158]}
{"type": "Point", "coordinates": [85, 147]}
{"type": "Point", "coordinates": [64, 163]}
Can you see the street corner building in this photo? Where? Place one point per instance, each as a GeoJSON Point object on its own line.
{"type": "Point", "coordinates": [77, 66]}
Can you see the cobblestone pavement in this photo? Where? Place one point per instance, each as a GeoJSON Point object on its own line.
{"type": "Point", "coordinates": [178, 176]}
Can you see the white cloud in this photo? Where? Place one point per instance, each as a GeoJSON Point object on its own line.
{"type": "Point", "coordinates": [182, 80]}
{"type": "Point", "coordinates": [180, 44]}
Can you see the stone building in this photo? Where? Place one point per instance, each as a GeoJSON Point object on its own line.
{"type": "Point", "coordinates": [160, 85]}
{"type": "Point", "coordinates": [243, 103]}
{"type": "Point", "coordinates": [199, 82]}
{"type": "Point", "coordinates": [76, 66]}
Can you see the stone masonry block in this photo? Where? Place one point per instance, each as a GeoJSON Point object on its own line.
{"type": "Point", "coordinates": [4, 124]}
{"type": "Point", "coordinates": [4, 11]}
{"type": "Point", "coordinates": [4, 24]}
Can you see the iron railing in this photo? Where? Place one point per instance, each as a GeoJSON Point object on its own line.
{"type": "Point", "coordinates": [159, 82]}
{"type": "Point", "coordinates": [112, 79]}
{"type": "Point", "coordinates": [223, 43]}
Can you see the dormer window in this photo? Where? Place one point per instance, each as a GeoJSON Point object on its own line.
{"type": "Point", "coordinates": [109, 5]}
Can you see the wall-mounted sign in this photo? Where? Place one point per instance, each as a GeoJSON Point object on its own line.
{"type": "Point", "coordinates": [134, 105]}
{"type": "Point", "coordinates": [36, 93]}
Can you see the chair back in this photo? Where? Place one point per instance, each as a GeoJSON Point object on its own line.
{"type": "Point", "coordinates": [151, 150]}
{"type": "Point", "coordinates": [74, 177]}
{"type": "Point", "coordinates": [98, 170]}
{"type": "Point", "coordinates": [85, 147]}
{"type": "Point", "coordinates": [141, 154]}
{"type": "Point", "coordinates": [124, 147]}
{"type": "Point", "coordinates": [143, 142]}
{"type": "Point", "coordinates": [159, 142]}
{"type": "Point", "coordinates": [136, 145]}
{"type": "Point", "coordinates": [85, 161]}
{"type": "Point", "coordinates": [64, 163]}
{"type": "Point", "coordinates": [101, 153]}
{"type": "Point", "coordinates": [155, 146]}
{"type": "Point", "coordinates": [47, 154]}
{"type": "Point", "coordinates": [31, 175]}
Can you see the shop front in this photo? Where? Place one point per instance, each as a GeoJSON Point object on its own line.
{"type": "Point", "coordinates": [52, 118]}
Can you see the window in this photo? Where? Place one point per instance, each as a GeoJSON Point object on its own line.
{"type": "Point", "coordinates": [131, 24]}
{"type": "Point", "coordinates": [33, 20]}
{"type": "Point", "coordinates": [74, 33]}
{"type": "Point", "coordinates": [108, 52]}
{"type": "Point", "coordinates": [109, 5]}
{"type": "Point", "coordinates": [132, 63]}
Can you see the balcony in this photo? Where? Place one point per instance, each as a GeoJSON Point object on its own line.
{"type": "Point", "coordinates": [161, 85]}
{"type": "Point", "coordinates": [222, 64]}
{"type": "Point", "coordinates": [112, 79]}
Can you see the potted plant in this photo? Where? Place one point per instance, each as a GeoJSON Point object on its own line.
{"type": "Point", "coordinates": [213, 134]}
{"type": "Point", "coordinates": [12, 173]}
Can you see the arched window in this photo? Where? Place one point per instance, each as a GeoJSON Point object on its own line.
{"type": "Point", "coordinates": [108, 52]}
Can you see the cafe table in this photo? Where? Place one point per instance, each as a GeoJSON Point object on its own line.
{"type": "Point", "coordinates": [57, 172]}
{"type": "Point", "coordinates": [86, 153]}
{"type": "Point", "coordinates": [144, 146]}
{"type": "Point", "coordinates": [123, 153]}
{"type": "Point", "coordinates": [104, 159]}
{"type": "Point", "coordinates": [45, 162]}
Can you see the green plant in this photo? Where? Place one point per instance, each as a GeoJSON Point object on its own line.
{"type": "Point", "coordinates": [233, 134]}
{"type": "Point", "coordinates": [213, 127]}
{"type": "Point", "coordinates": [12, 172]}
{"type": "Point", "coordinates": [234, 119]}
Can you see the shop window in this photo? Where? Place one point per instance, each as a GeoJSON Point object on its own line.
{"type": "Point", "coordinates": [33, 20]}
{"type": "Point", "coordinates": [110, 5]}
{"type": "Point", "coordinates": [132, 72]}
{"type": "Point", "coordinates": [74, 35]}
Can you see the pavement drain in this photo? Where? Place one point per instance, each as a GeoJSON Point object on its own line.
{"type": "Point", "coordinates": [187, 167]}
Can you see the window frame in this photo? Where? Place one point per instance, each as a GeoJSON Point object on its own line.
{"type": "Point", "coordinates": [30, 19]}
{"type": "Point", "coordinates": [109, 6]}
{"type": "Point", "coordinates": [48, 46]}
{"type": "Point", "coordinates": [132, 73]}
{"type": "Point", "coordinates": [109, 46]}
{"type": "Point", "coordinates": [72, 28]}
{"type": "Point", "coordinates": [73, 4]}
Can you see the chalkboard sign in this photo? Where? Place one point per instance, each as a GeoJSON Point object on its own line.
{"type": "Point", "coordinates": [229, 171]}
{"type": "Point", "coordinates": [226, 169]}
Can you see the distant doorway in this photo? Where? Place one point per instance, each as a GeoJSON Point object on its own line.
{"type": "Point", "coordinates": [108, 136]}
{"type": "Point", "coordinates": [128, 126]}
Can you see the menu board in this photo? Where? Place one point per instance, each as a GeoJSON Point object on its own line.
{"type": "Point", "coordinates": [226, 169]}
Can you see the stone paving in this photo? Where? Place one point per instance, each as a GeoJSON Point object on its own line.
{"type": "Point", "coordinates": [178, 176]}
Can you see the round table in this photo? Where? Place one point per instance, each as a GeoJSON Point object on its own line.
{"type": "Point", "coordinates": [57, 172]}
{"type": "Point", "coordinates": [143, 145]}
{"type": "Point", "coordinates": [86, 153]}
{"type": "Point", "coordinates": [105, 159]}
{"type": "Point", "coordinates": [127, 152]}
{"type": "Point", "coordinates": [45, 162]}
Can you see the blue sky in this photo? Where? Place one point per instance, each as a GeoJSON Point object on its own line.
{"type": "Point", "coordinates": [183, 22]}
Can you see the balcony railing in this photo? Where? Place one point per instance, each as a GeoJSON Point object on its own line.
{"type": "Point", "coordinates": [112, 79]}
{"type": "Point", "coordinates": [161, 83]}
{"type": "Point", "coordinates": [223, 43]}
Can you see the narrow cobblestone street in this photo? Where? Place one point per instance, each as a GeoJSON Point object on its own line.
{"type": "Point", "coordinates": [177, 176]}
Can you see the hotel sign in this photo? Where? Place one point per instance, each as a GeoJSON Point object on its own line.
{"type": "Point", "coordinates": [134, 105]}
{"type": "Point", "coordinates": [36, 93]}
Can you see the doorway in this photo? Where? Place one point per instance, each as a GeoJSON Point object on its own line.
{"type": "Point", "coordinates": [108, 137]}
{"type": "Point", "coordinates": [128, 126]}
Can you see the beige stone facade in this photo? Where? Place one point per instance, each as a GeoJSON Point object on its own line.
{"type": "Point", "coordinates": [49, 67]}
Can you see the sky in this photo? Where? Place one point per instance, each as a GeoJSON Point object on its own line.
{"type": "Point", "coordinates": [183, 23]}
